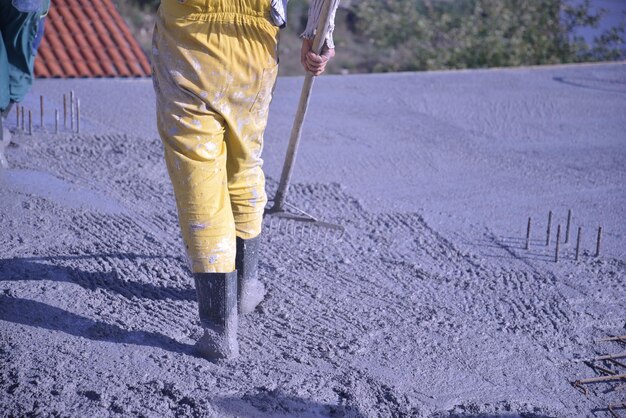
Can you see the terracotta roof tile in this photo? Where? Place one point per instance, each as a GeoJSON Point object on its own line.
{"type": "Point", "coordinates": [88, 38]}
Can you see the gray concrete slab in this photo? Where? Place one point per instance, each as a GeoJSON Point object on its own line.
{"type": "Point", "coordinates": [430, 306]}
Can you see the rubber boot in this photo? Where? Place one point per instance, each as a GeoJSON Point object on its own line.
{"type": "Point", "coordinates": [217, 305]}
{"type": "Point", "coordinates": [6, 133]}
{"type": "Point", "coordinates": [5, 139]}
{"type": "Point", "coordinates": [251, 290]}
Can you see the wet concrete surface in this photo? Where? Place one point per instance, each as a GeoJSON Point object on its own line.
{"type": "Point", "coordinates": [429, 306]}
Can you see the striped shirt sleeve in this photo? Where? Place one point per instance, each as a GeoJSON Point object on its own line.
{"type": "Point", "coordinates": [315, 10]}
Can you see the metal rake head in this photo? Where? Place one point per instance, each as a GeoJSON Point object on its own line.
{"type": "Point", "coordinates": [303, 226]}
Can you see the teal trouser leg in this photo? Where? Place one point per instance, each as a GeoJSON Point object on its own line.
{"type": "Point", "coordinates": [17, 52]}
{"type": "Point", "coordinates": [4, 74]}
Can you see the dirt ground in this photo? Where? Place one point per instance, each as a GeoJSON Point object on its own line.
{"type": "Point", "coordinates": [430, 306]}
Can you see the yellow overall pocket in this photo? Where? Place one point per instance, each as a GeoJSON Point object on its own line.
{"type": "Point", "coordinates": [265, 91]}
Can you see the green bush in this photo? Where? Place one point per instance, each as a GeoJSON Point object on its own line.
{"type": "Point", "coordinates": [426, 34]}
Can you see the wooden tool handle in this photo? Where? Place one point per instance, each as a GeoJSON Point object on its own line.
{"type": "Point", "coordinates": [320, 36]}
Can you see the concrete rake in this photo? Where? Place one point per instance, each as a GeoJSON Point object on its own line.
{"type": "Point", "coordinates": [296, 222]}
{"type": "Point", "coordinates": [300, 224]}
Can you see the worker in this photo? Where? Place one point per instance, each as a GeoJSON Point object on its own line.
{"type": "Point", "coordinates": [21, 30]}
{"type": "Point", "coordinates": [214, 68]}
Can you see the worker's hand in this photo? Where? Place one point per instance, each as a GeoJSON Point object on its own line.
{"type": "Point", "coordinates": [313, 63]}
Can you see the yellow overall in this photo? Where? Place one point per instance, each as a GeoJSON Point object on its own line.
{"type": "Point", "coordinates": [214, 68]}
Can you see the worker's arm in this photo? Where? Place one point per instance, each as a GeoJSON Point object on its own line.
{"type": "Point", "coordinates": [312, 62]}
